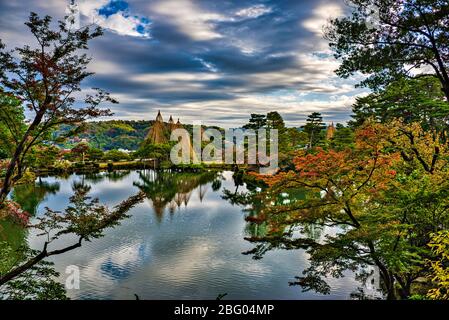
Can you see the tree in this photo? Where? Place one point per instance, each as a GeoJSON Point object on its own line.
{"type": "Point", "coordinates": [12, 123]}
{"type": "Point", "coordinates": [45, 79]}
{"type": "Point", "coordinates": [41, 156]}
{"type": "Point", "coordinates": [413, 100]}
{"type": "Point", "coordinates": [439, 274]}
{"type": "Point", "coordinates": [343, 137]}
{"type": "Point", "coordinates": [275, 121]}
{"type": "Point", "coordinates": [37, 283]}
{"type": "Point", "coordinates": [256, 122]}
{"type": "Point", "coordinates": [314, 127]}
{"type": "Point", "coordinates": [388, 39]}
{"type": "Point", "coordinates": [95, 154]}
{"type": "Point", "coordinates": [296, 138]}
{"type": "Point", "coordinates": [108, 135]}
{"type": "Point", "coordinates": [80, 150]}
{"type": "Point", "coordinates": [386, 195]}
{"type": "Point", "coordinates": [85, 218]}
{"type": "Point", "coordinates": [160, 152]}
{"type": "Point", "coordinates": [115, 155]}
{"type": "Point", "coordinates": [3, 153]}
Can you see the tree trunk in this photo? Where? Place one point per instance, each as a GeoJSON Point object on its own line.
{"type": "Point", "coordinates": [441, 72]}
{"type": "Point", "coordinates": [387, 277]}
{"type": "Point", "coordinates": [390, 294]}
{"type": "Point", "coordinates": [311, 140]}
{"type": "Point", "coordinates": [9, 173]}
{"type": "Point", "coordinates": [7, 181]}
{"type": "Point", "coordinates": [404, 291]}
{"type": "Point", "coordinates": [388, 282]}
{"type": "Point", "coordinates": [35, 260]}
{"type": "Point", "coordinates": [21, 269]}
{"type": "Point", "coordinates": [446, 91]}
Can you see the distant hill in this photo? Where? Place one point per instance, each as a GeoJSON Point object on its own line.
{"type": "Point", "coordinates": [113, 134]}
{"type": "Point", "coordinates": [108, 135]}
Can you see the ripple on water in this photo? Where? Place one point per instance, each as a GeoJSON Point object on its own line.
{"type": "Point", "coordinates": [192, 253]}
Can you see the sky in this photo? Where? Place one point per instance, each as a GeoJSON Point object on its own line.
{"type": "Point", "coordinates": [205, 60]}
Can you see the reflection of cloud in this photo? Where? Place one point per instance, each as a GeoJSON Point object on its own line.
{"type": "Point", "coordinates": [194, 256]}
{"type": "Point", "coordinates": [115, 271]}
{"type": "Point", "coordinates": [117, 263]}
{"type": "Point", "coordinates": [189, 263]}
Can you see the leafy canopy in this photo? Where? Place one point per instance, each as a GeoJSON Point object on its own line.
{"type": "Point", "coordinates": [388, 39]}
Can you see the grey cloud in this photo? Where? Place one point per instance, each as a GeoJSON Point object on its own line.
{"type": "Point", "coordinates": [252, 57]}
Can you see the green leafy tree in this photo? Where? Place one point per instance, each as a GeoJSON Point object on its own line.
{"type": "Point", "coordinates": [439, 267]}
{"type": "Point", "coordinates": [3, 153]}
{"type": "Point", "coordinates": [256, 122]}
{"type": "Point", "coordinates": [95, 154]}
{"type": "Point", "coordinates": [42, 156]}
{"type": "Point", "coordinates": [343, 137]}
{"type": "Point", "coordinates": [12, 123]}
{"type": "Point", "coordinates": [388, 39]}
{"type": "Point", "coordinates": [37, 283]}
{"type": "Point", "coordinates": [115, 155]}
{"type": "Point", "coordinates": [413, 100]}
{"type": "Point", "coordinates": [386, 195]}
{"type": "Point", "coordinates": [85, 219]}
{"type": "Point", "coordinates": [314, 128]}
{"type": "Point", "coordinates": [296, 138]}
{"type": "Point", "coordinates": [45, 79]}
{"type": "Point", "coordinates": [79, 151]}
{"type": "Point", "coordinates": [275, 121]}
{"type": "Point", "coordinates": [160, 152]}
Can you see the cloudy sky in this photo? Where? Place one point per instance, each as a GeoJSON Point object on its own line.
{"type": "Point", "coordinates": [206, 60]}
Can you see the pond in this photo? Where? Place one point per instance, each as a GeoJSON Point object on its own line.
{"type": "Point", "coordinates": [183, 242]}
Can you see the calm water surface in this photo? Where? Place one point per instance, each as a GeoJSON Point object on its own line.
{"type": "Point", "coordinates": [183, 242]}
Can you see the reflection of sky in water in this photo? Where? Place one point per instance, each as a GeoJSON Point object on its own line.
{"type": "Point", "coordinates": [192, 253]}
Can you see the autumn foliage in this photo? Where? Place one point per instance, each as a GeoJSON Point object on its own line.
{"type": "Point", "coordinates": [385, 194]}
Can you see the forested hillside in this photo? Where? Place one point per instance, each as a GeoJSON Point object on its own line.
{"type": "Point", "coordinates": [112, 134]}
{"type": "Point", "coordinates": [108, 135]}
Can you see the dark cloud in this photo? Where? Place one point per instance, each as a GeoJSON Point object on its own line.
{"type": "Point", "coordinates": [211, 60]}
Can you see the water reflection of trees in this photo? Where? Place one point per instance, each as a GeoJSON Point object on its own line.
{"type": "Point", "coordinates": [12, 239]}
{"type": "Point", "coordinates": [13, 236]}
{"type": "Point", "coordinates": [251, 204]}
{"type": "Point", "coordinates": [113, 176]}
{"type": "Point", "coordinates": [170, 189]}
{"type": "Point", "coordinates": [25, 274]}
{"type": "Point", "coordinates": [302, 237]}
{"type": "Point", "coordinates": [29, 196]}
